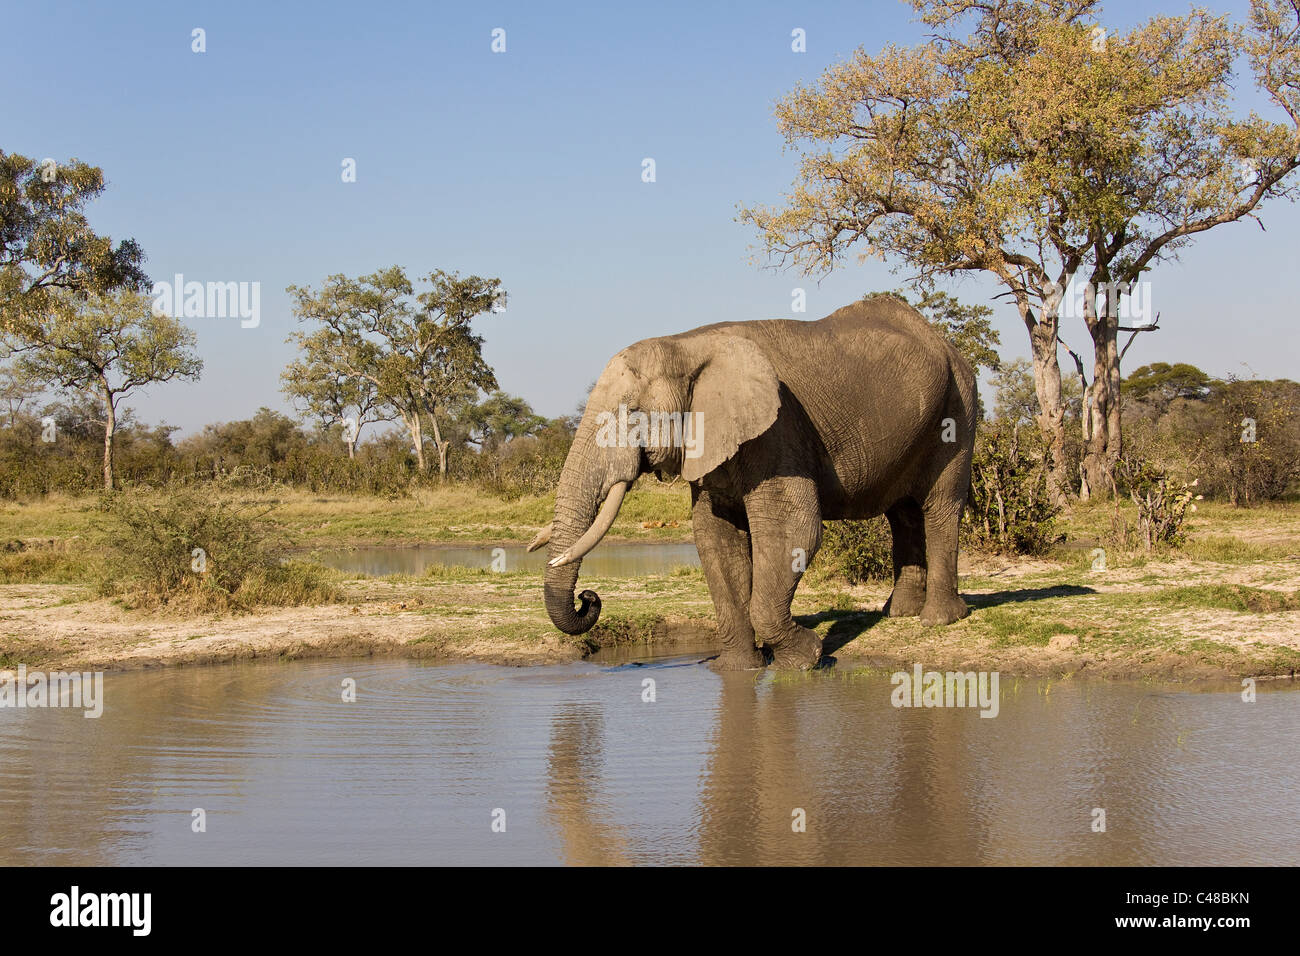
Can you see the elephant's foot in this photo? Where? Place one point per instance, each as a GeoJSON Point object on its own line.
{"type": "Point", "coordinates": [801, 650]}
{"type": "Point", "coordinates": [943, 608]}
{"type": "Point", "coordinates": [739, 659]}
{"type": "Point", "coordinates": [905, 601]}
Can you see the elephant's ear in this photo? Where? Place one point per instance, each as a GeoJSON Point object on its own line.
{"type": "Point", "coordinates": [734, 399]}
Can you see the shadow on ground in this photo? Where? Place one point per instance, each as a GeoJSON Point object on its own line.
{"type": "Point", "coordinates": [847, 625]}
{"type": "Point", "coordinates": [1025, 594]}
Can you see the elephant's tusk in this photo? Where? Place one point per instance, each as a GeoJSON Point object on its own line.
{"type": "Point", "coordinates": [542, 538]}
{"type": "Point", "coordinates": [608, 512]}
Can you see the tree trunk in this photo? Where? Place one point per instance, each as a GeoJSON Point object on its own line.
{"type": "Point", "coordinates": [110, 428]}
{"type": "Point", "coordinates": [1085, 435]}
{"type": "Point", "coordinates": [439, 444]}
{"type": "Point", "coordinates": [1102, 448]}
{"type": "Point", "coordinates": [416, 429]}
{"type": "Point", "coordinates": [1047, 385]}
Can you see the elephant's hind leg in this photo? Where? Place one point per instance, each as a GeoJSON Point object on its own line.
{"type": "Point", "coordinates": [786, 529]}
{"type": "Point", "coordinates": [943, 604]}
{"type": "Point", "coordinates": [723, 545]}
{"type": "Point", "coordinates": [907, 526]}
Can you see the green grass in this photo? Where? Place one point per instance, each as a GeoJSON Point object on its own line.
{"type": "Point", "coordinates": [1223, 549]}
{"type": "Point", "coordinates": [454, 512]}
{"type": "Point", "coordinates": [477, 604]}
{"type": "Point", "coordinates": [1227, 597]}
{"type": "Point", "coordinates": [45, 566]}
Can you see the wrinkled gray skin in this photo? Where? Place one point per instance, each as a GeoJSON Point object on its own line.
{"type": "Point", "coordinates": [801, 421]}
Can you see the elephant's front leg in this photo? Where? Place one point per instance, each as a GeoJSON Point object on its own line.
{"type": "Point", "coordinates": [723, 544]}
{"type": "Point", "coordinates": [785, 528]}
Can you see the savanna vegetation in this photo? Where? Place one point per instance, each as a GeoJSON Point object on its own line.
{"type": "Point", "coordinates": [1018, 142]}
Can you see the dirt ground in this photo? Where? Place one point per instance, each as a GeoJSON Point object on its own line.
{"type": "Point", "coordinates": [1030, 618]}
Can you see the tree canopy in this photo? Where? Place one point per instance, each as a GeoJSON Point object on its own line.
{"type": "Point", "coordinates": [413, 354]}
{"type": "Point", "coordinates": [109, 344]}
{"type": "Point", "coordinates": [1025, 140]}
{"type": "Point", "coordinates": [46, 243]}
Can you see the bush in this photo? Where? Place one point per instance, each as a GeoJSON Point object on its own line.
{"type": "Point", "coordinates": [1009, 509]}
{"type": "Point", "coordinates": [201, 547]}
{"type": "Point", "coordinates": [45, 562]}
{"type": "Point", "coordinates": [529, 465]}
{"type": "Point", "coordinates": [857, 551]}
{"type": "Point", "coordinates": [1162, 504]}
{"type": "Point", "coordinates": [1254, 450]}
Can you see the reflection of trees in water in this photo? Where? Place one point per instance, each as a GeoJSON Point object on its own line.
{"type": "Point", "coordinates": [1059, 751]}
{"type": "Point", "coordinates": [84, 782]}
{"type": "Point", "coordinates": [574, 763]}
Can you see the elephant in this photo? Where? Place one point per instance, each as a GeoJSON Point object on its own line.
{"type": "Point", "coordinates": [777, 425]}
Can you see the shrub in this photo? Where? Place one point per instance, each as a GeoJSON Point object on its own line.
{"type": "Point", "coordinates": [1254, 448]}
{"type": "Point", "coordinates": [1009, 509]}
{"type": "Point", "coordinates": [202, 547]}
{"type": "Point", "coordinates": [857, 550]}
{"type": "Point", "coordinates": [1162, 505]}
{"type": "Point", "coordinates": [22, 563]}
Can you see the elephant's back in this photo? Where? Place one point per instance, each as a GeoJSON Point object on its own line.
{"type": "Point", "coordinates": [883, 340]}
{"type": "Point", "coordinates": [874, 379]}
{"type": "Point", "coordinates": [859, 330]}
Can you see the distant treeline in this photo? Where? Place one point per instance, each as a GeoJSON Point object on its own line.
{"type": "Point", "coordinates": [59, 449]}
{"type": "Point", "coordinates": [1238, 440]}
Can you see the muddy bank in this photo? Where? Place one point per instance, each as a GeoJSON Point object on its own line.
{"type": "Point", "coordinates": [53, 627]}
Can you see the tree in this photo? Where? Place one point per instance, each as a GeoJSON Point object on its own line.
{"type": "Point", "coordinates": [501, 418]}
{"type": "Point", "coordinates": [1159, 383]}
{"type": "Point", "coordinates": [18, 387]}
{"type": "Point", "coordinates": [264, 442]}
{"type": "Point", "coordinates": [1037, 149]}
{"type": "Point", "coordinates": [1253, 443]}
{"type": "Point", "coordinates": [109, 345]}
{"type": "Point", "coordinates": [418, 355]}
{"type": "Point", "coordinates": [1156, 158]}
{"type": "Point", "coordinates": [902, 154]}
{"type": "Point", "coordinates": [330, 396]}
{"type": "Point", "coordinates": [46, 244]}
{"type": "Point", "coordinates": [1016, 400]}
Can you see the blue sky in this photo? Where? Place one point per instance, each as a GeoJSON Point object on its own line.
{"type": "Point", "coordinates": [524, 165]}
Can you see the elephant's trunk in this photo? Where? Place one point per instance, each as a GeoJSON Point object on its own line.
{"type": "Point", "coordinates": [560, 585]}
{"type": "Point", "coordinates": [577, 528]}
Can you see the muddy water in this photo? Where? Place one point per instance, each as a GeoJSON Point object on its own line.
{"type": "Point", "coordinates": [611, 559]}
{"type": "Point", "coordinates": [586, 772]}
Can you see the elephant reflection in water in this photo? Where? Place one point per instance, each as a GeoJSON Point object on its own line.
{"type": "Point", "coordinates": [790, 782]}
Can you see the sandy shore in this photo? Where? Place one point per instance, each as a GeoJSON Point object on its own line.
{"type": "Point", "coordinates": [1030, 619]}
